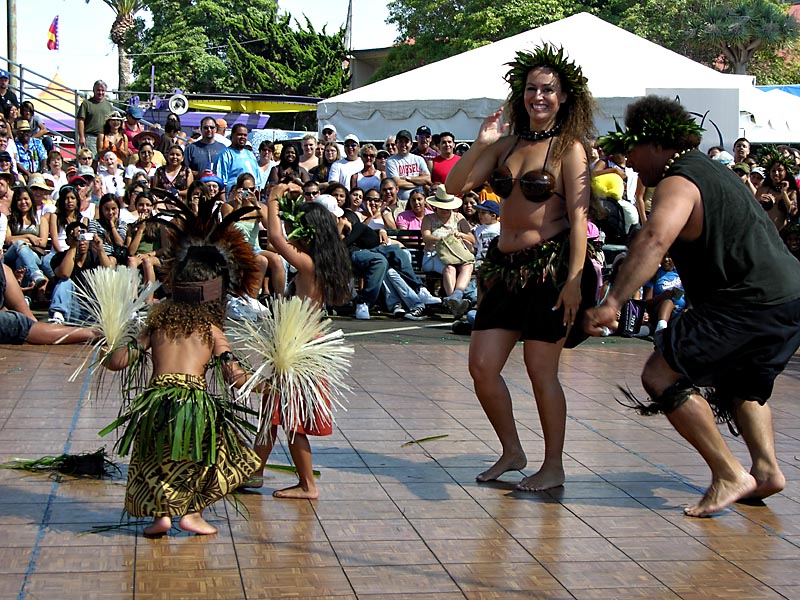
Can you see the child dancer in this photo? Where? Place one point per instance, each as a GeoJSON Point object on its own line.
{"type": "Point", "coordinates": [315, 249]}
{"type": "Point", "coordinates": [186, 444]}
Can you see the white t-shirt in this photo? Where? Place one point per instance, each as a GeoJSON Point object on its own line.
{"type": "Point", "coordinates": [402, 167]}
{"type": "Point", "coordinates": [114, 184]}
{"type": "Point", "coordinates": [343, 169]}
{"type": "Point", "coordinates": [483, 235]}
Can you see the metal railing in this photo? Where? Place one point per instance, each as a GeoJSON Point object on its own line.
{"type": "Point", "coordinates": [28, 84]}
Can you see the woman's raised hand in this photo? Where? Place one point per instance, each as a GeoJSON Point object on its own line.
{"type": "Point", "coordinates": [491, 129]}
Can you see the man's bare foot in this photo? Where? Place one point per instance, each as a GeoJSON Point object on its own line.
{"type": "Point", "coordinates": [195, 523]}
{"type": "Point", "coordinates": [768, 483]}
{"type": "Point", "coordinates": [160, 525]}
{"type": "Point", "coordinates": [512, 462]}
{"type": "Point", "coordinates": [297, 491]}
{"type": "Point", "coordinates": [544, 479]}
{"type": "Point", "coordinates": [721, 494]}
{"type": "Point", "coordinates": [253, 483]}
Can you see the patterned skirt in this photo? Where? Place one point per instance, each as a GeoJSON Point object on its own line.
{"type": "Point", "coordinates": [159, 485]}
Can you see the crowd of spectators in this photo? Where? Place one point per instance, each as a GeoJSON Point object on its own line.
{"type": "Point", "coordinates": [59, 218]}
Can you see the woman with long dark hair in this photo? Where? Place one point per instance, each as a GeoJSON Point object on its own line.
{"type": "Point", "coordinates": [288, 166]}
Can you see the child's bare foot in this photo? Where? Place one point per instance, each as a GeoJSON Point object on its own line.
{"type": "Point", "coordinates": [722, 493]}
{"type": "Point", "coordinates": [510, 462]}
{"type": "Point", "coordinates": [160, 525]}
{"type": "Point", "coordinates": [544, 479]}
{"type": "Point", "coordinates": [195, 523]}
{"type": "Point", "coordinates": [297, 491]}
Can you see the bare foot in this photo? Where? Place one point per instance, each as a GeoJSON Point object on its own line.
{"type": "Point", "coordinates": [195, 523]}
{"type": "Point", "coordinates": [721, 494]}
{"type": "Point", "coordinates": [160, 525]}
{"type": "Point", "coordinates": [252, 484]}
{"type": "Point", "coordinates": [768, 483]}
{"type": "Point", "coordinates": [544, 479]}
{"type": "Point", "coordinates": [297, 491]}
{"type": "Point", "coordinates": [504, 464]}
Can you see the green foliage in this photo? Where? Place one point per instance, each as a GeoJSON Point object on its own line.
{"type": "Point", "coordinates": [218, 46]}
{"type": "Point", "coordinates": [431, 30]}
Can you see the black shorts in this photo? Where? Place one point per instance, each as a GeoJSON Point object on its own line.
{"type": "Point", "coordinates": [529, 309]}
{"type": "Point", "coordinates": [739, 351]}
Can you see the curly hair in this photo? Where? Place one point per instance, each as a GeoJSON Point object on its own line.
{"type": "Point", "coordinates": [181, 319]}
{"type": "Point", "coordinates": [662, 121]}
{"type": "Point", "coordinates": [331, 260]}
{"type": "Point", "coordinates": [575, 115]}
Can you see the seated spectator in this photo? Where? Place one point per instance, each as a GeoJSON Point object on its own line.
{"type": "Point", "coordinates": [83, 182]}
{"type": "Point", "coordinates": [339, 193]}
{"type": "Point", "coordinates": [174, 176]}
{"type": "Point", "coordinates": [41, 191]}
{"type": "Point", "coordinates": [356, 203]}
{"type": "Point", "coordinates": [417, 209]}
{"type": "Point", "coordinates": [446, 222]}
{"type": "Point", "coordinates": [6, 181]}
{"type": "Point", "coordinates": [18, 325]}
{"type": "Point", "coordinates": [791, 237]}
{"type": "Point", "coordinates": [67, 212]}
{"type": "Point", "coordinates": [113, 182]}
{"type": "Point", "coordinates": [113, 139]}
{"type": "Point", "coordinates": [378, 213]}
{"type": "Point", "coordinates": [84, 252]}
{"type": "Point", "coordinates": [469, 204]}
{"type": "Point", "coordinates": [144, 163]}
{"type": "Point", "coordinates": [38, 128]}
{"type": "Point", "coordinates": [30, 150]}
{"type": "Point", "coordinates": [368, 178]}
{"type": "Point", "coordinates": [663, 294]}
{"type": "Point", "coordinates": [487, 230]}
{"type": "Point", "coordinates": [127, 213]}
{"type": "Point", "coordinates": [110, 229]}
{"type": "Point", "coordinates": [55, 162]}
{"type": "Point", "coordinates": [173, 136]}
{"type": "Point", "coordinates": [28, 235]}
{"type": "Point", "coordinates": [144, 240]}
{"type": "Point", "coordinates": [214, 185]}
{"type": "Point", "coordinates": [153, 138]}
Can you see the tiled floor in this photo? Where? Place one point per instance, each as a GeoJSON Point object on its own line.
{"type": "Point", "coordinates": [399, 521]}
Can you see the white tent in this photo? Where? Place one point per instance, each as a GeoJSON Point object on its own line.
{"type": "Point", "coordinates": [455, 94]}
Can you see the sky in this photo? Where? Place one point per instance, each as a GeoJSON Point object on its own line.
{"type": "Point", "coordinates": [86, 53]}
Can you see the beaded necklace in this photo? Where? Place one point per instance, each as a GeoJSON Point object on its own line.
{"type": "Point", "coordinates": [670, 162]}
{"type": "Point", "coordinates": [535, 136]}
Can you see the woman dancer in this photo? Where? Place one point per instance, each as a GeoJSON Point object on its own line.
{"type": "Point", "coordinates": [537, 271]}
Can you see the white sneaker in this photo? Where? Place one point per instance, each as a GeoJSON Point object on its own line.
{"type": "Point", "coordinates": [362, 312]}
{"type": "Point", "coordinates": [57, 318]}
{"type": "Point", "coordinates": [428, 298]}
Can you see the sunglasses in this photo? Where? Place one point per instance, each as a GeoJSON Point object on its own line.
{"type": "Point", "coordinates": [351, 145]}
{"type": "Point", "coordinates": [314, 193]}
{"type": "Point", "coordinates": [367, 156]}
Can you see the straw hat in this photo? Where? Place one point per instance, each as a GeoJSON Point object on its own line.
{"type": "Point", "coordinates": [444, 200]}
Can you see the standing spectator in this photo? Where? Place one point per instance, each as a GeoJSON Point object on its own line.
{"type": "Point", "coordinates": [408, 170]}
{"type": "Point", "coordinates": [328, 134]}
{"type": "Point", "coordinates": [741, 150]}
{"type": "Point", "coordinates": [203, 153]}
{"type": "Point", "coordinates": [447, 157]}
{"type": "Point", "coordinates": [423, 147]}
{"type": "Point", "coordinates": [380, 161]}
{"type": "Point", "coordinates": [309, 158]}
{"type": "Point", "coordinates": [32, 155]}
{"type": "Point", "coordinates": [742, 171]}
{"type": "Point", "coordinates": [778, 192]}
{"type": "Point", "coordinates": [343, 169]}
{"type": "Point", "coordinates": [222, 128]}
{"type": "Point", "coordinates": [113, 139]}
{"type": "Point", "coordinates": [390, 145]}
{"type": "Point", "coordinates": [369, 178]}
{"type": "Point", "coordinates": [266, 151]}
{"type": "Point", "coordinates": [417, 209]}
{"type": "Point", "coordinates": [320, 173]}
{"type": "Point", "coordinates": [236, 159]}
{"type": "Point", "coordinates": [7, 96]}
{"type": "Point", "coordinates": [91, 117]}
{"type": "Point", "coordinates": [132, 126]}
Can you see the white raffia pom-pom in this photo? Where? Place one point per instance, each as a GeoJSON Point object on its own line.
{"type": "Point", "coordinates": [302, 360]}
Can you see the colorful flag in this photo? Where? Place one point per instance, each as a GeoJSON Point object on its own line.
{"type": "Point", "coordinates": [52, 35]}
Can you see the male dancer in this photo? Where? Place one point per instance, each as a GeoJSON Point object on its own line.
{"type": "Point", "coordinates": [744, 286]}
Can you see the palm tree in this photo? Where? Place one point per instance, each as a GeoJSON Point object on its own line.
{"type": "Point", "coordinates": [742, 27]}
{"type": "Point", "coordinates": [125, 21]}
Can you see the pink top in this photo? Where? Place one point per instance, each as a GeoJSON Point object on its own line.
{"type": "Point", "coordinates": [408, 220]}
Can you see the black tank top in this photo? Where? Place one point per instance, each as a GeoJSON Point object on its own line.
{"type": "Point", "coordinates": [739, 257]}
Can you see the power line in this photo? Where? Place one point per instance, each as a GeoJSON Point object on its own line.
{"type": "Point", "coordinates": [264, 39]}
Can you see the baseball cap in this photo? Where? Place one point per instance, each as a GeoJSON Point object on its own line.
{"type": "Point", "coordinates": [5, 156]}
{"type": "Point", "coordinates": [330, 203]}
{"type": "Point", "coordinates": [135, 112]}
{"type": "Point", "coordinates": [3, 74]}
{"type": "Point", "coordinates": [329, 126]}
{"type": "Point", "coordinates": [352, 138]}
{"type": "Point", "coordinates": [760, 170]}
{"type": "Point", "coordinates": [744, 167]}
{"type": "Point", "coordinates": [424, 130]}
{"type": "Point", "coordinates": [404, 133]}
{"type": "Point", "coordinates": [489, 206]}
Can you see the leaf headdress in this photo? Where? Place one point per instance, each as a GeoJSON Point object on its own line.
{"type": "Point", "coordinates": [290, 212]}
{"type": "Point", "coordinates": [770, 155]}
{"type": "Point", "coordinates": [669, 131]}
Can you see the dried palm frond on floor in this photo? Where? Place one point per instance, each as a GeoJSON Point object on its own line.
{"type": "Point", "coordinates": [304, 363]}
{"type": "Point", "coordinates": [91, 464]}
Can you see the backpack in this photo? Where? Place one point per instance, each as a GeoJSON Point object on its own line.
{"type": "Point", "coordinates": [611, 220]}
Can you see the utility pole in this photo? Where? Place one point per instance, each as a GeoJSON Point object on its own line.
{"type": "Point", "coordinates": [11, 32]}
